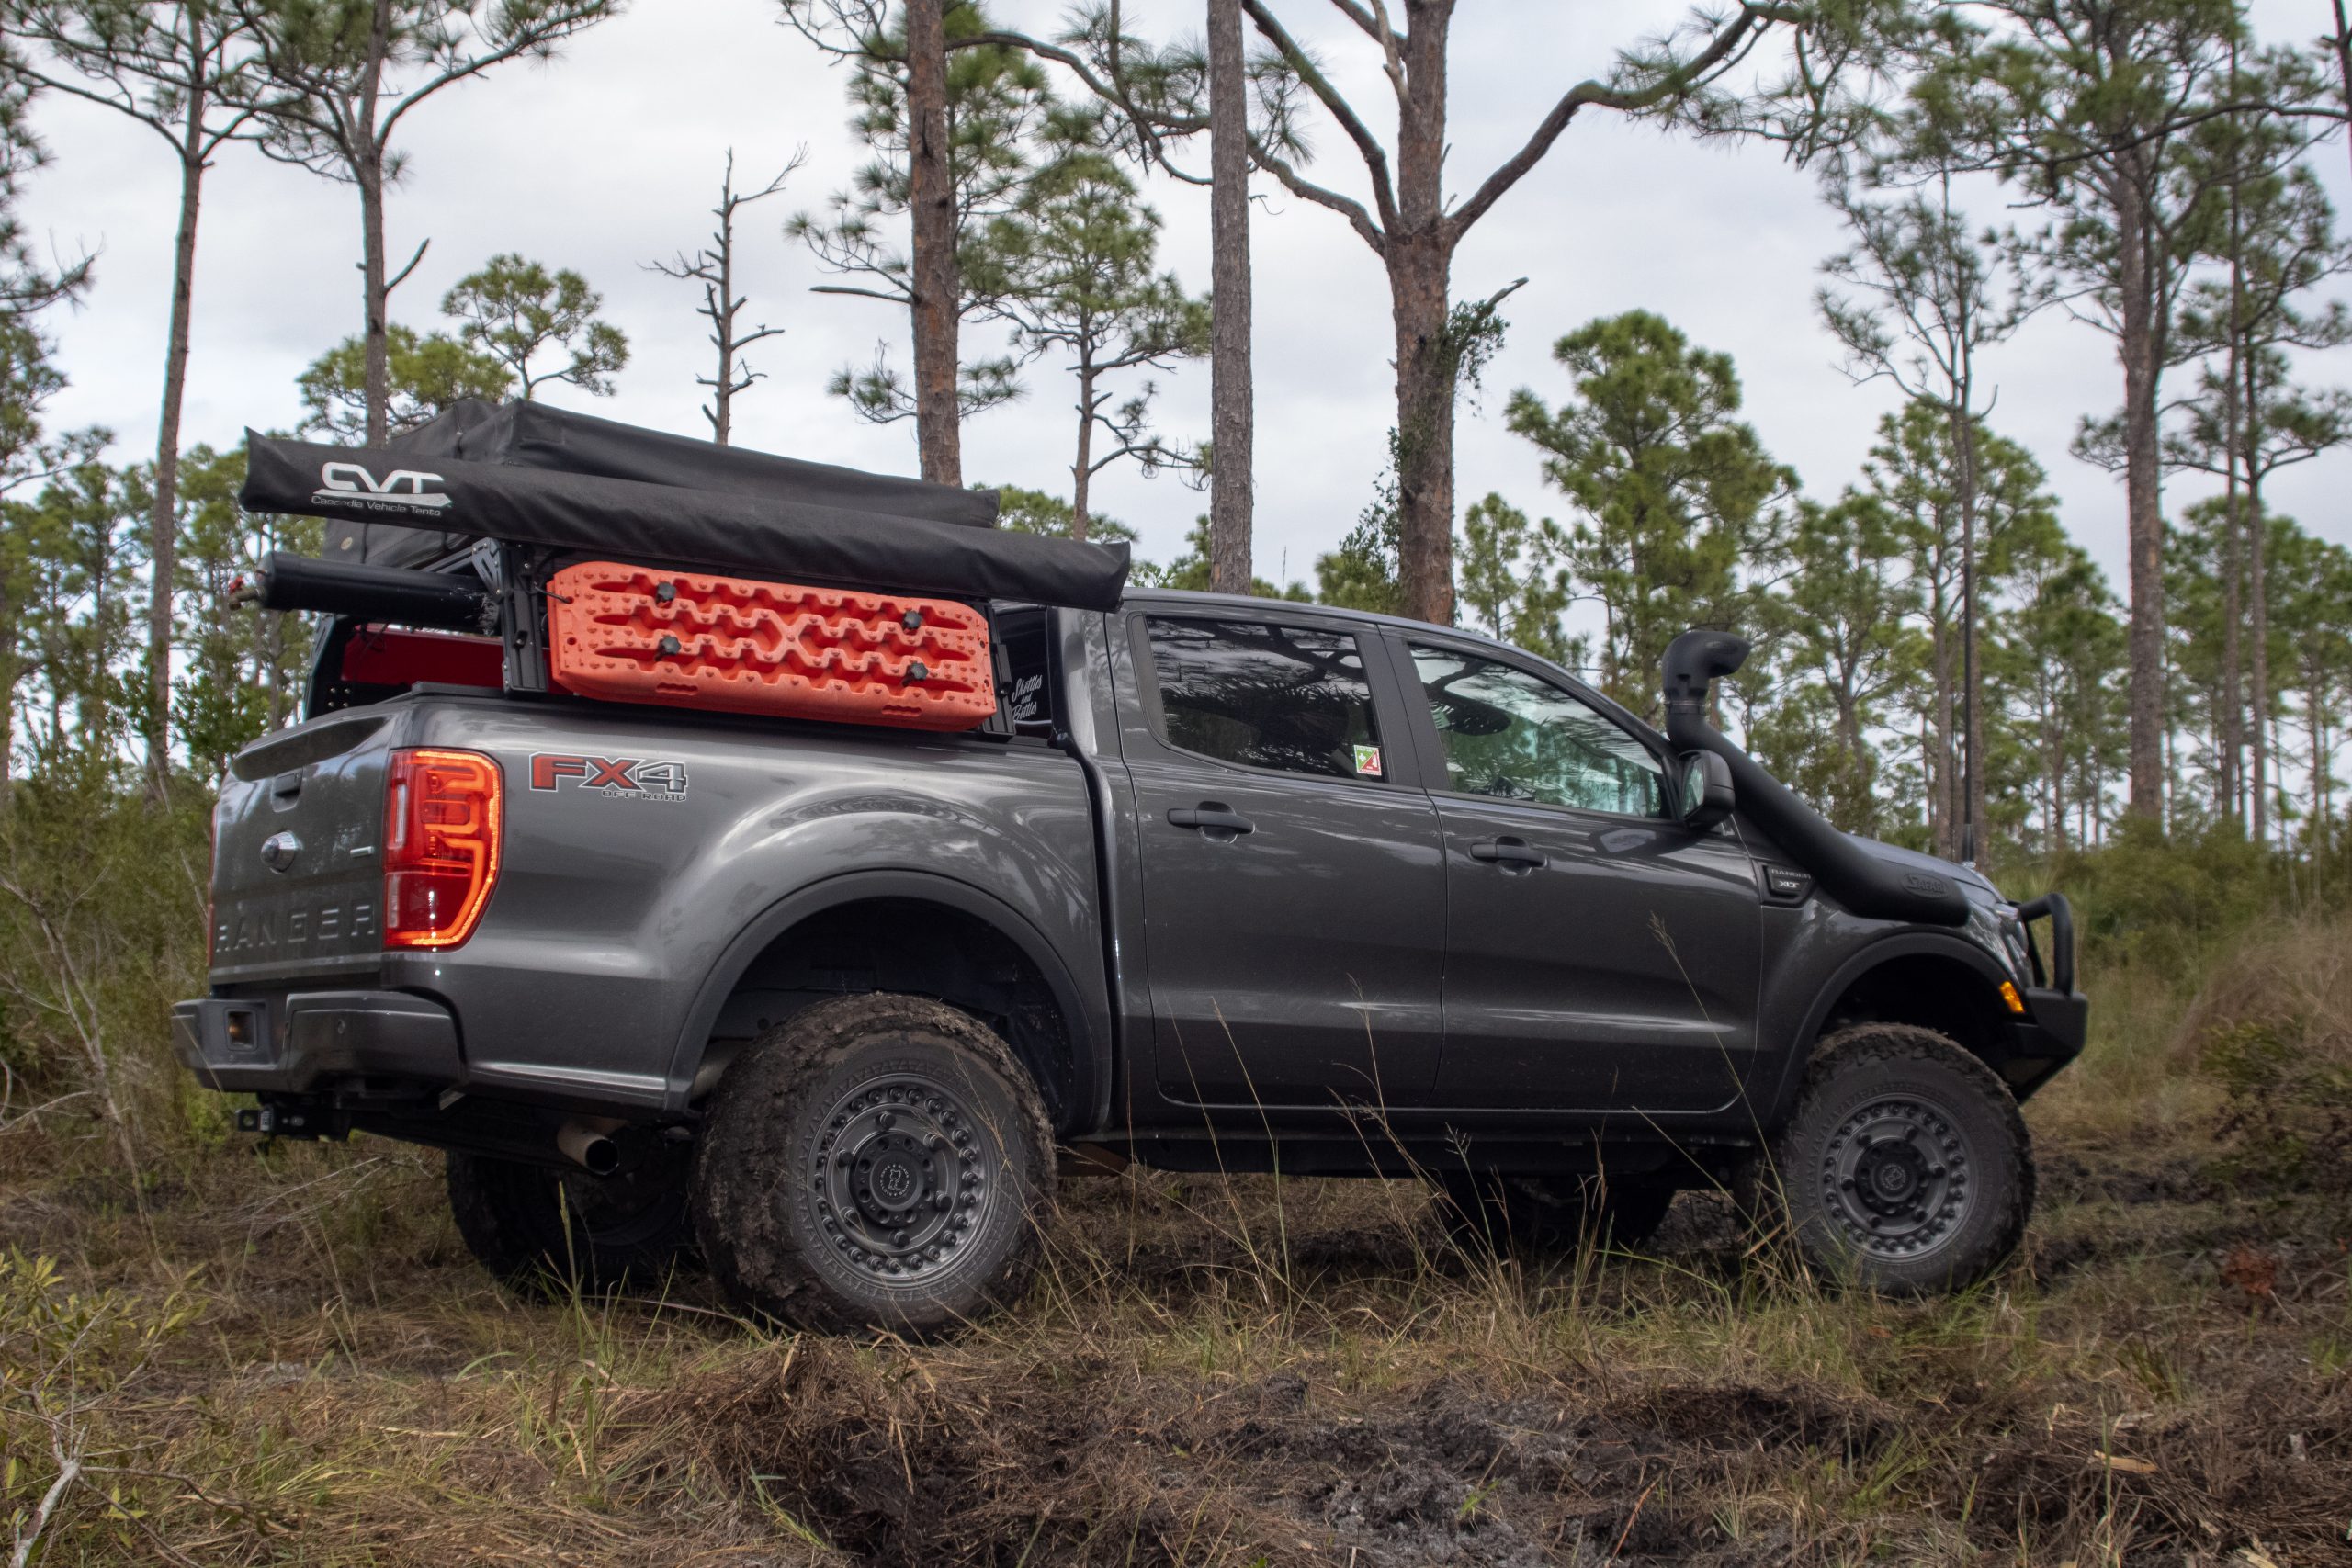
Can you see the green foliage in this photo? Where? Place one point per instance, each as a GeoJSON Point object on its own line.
{"type": "Point", "coordinates": [1675, 495]}
{"type": "Point", "coordinates": [1512, 585]}
{"type": "Point", "coordinates": [514, 309]}
{"type": "Point", "coordinates": [2055, 665]}
{"type": "Point", "coordinates": [1072, 269]}
{"type": "Point", "coordinates": [1366, 572]}
{"type": "Point", "coordinates": [66, 1358]}
{"type": "Point", "coordinates": [242, 671]}
{"type": "Point", "coordinates": [1190, 571]}
{"type": "Point", "coordinates": [996, 96]}
{"type": "Point", "coordinates": [1843, 649]}
{"type": "Point", "coordinates": [1036, 512]}
{"type": "Point", "coordinates": [429, 374]}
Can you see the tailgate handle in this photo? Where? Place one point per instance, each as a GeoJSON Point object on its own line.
{"type": "Point", "coordinates": [286, 785]}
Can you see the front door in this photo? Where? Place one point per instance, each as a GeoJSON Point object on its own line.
{"type": "Point", "coordinates": [1600, 957]}
{"type": "Point", "coordinates": [1292, 886]}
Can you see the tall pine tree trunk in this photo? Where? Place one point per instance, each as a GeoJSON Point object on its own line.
{"type": "Point", "coordinates": [930, 202]}
{"type": "Point", "coordinates": [1232, 418]}
{"type": "Point", "coordinates": [1420, 257]}
{"type": "Point", "coordinates": [368, 169]}
{"type": "Point", "coordinates": [1081, 472]}
{"type": "Point", "coordinates": [163, 527]}
{"type": "Point", "coordinates": [1970, 839]}
{"type": "Point", "coordinates": [2227, 722]}
{"type": "Point", "coordinates": [722, 323]}
{"type": "Point", "coordinates": [2258, 588]}
{"type": "Point", "coordinates": [1425, 392]}
{"type": "Point", "coordinates": [2144, 501]}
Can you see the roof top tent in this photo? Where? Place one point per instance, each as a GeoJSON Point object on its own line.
{"type": "Point", "coordinates": [511, 495]}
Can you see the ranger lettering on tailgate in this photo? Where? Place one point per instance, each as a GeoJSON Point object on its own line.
{"type": "Point", "coordinates": [272, 930]}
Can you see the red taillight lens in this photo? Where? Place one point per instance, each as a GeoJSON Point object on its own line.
{"type": "Point", "coordinates": [444, 813]}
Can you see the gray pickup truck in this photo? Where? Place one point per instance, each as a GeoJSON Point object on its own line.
{"type": "Point", "coordinates": [1232, 884]}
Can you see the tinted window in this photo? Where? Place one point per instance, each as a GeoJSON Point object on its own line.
{"type": "Point", "coordinates": [1266, 696]}
{"type": "Point", "coordinates": [1028, 694]}
{"type": "Point", "coordinates": [1510, 734]}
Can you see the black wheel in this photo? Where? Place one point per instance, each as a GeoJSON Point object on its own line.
{"type": "Point", "coordinates": [1905, 1164]}
{"type": "Point", "coordinates": [542, 1229]}
{"type": "Point", "coordinates": [874, 1162]}
{"type": "Point", "coordinates": [1504, 1213]}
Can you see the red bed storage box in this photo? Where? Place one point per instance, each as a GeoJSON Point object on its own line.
{"type": "Point", "coordinates": [630, 634]}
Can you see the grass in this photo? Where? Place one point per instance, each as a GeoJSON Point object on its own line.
{"type": "Point", "coordinates": [287, 1358]}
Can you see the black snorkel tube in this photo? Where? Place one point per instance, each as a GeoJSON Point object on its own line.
{"type": "Point", "coordinates": [1843, 869]}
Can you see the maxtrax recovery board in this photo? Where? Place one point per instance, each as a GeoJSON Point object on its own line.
{"type": "Point", "coordinates": [630, 634]}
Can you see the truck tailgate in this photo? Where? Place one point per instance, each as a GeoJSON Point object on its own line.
{"type": "Point", "coordinates": [297, 879]}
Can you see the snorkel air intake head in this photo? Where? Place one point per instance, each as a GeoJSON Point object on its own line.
{"type": "Point", "coordinates": [1865, 884]}
{"type": "Point", "coordinates": [1693, 662]}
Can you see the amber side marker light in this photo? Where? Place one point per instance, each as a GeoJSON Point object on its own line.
{"type": "Point", "coordinates": [444, 814]}
{"type": "Point", "coordinates": [2010, 995]}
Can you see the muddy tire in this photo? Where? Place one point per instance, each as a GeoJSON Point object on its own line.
{"type": "Point", "coordinates": [874, 1162]}
{"type": "Point", "coordinates": [544, 1230]}
{"type": "Point", "coordinates": [1905, 1166]}
{"type": "Point", "coordinates": [1532, 1214]}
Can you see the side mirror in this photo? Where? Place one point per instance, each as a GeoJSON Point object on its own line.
{"type": "Point", "coordinates": [1707, 795]}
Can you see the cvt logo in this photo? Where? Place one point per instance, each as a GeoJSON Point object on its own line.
{"type": "Point", "coordinates": [349, 484]}
{"type": "Point", "coordinates": [621, 778]}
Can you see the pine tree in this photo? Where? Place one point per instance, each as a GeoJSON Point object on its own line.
{"type": "Point", "coordinates": [1073, 270]}
{"type": "Point", "coordinates": [1674, 495]}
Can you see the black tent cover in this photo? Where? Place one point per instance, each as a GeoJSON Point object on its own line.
{"type": "Point", "coordinates": [532, 475]}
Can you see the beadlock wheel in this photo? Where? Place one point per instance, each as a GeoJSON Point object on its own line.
{"type": "Point", "coordinates": [874, 1162]}
{"type": "Point", "coordinates": [1895, 1174]}
{"type": "Point", "coordinates": [1904, 1165]}
{"type": "Point", "coordinates": [900, 1178]}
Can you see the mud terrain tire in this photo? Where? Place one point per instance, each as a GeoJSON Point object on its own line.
{"type": "Point", "coordinates": [874, 1162]}
{"type": "Point", "coordinates": [1905, 1166]}
{"type": "Point", "coordinates": [1535, 1215]}
{"type": "Point", "coordinates": [542, 1230]}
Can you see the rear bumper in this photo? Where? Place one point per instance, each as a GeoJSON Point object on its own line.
{"type": "Point", "coordinates": [294, 1044]}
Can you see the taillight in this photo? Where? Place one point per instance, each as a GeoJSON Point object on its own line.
{"type": "Point", "coordinates": [443, 812]}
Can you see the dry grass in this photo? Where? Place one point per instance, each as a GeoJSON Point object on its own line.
{"type": "Point", "coordinates": [304, 1368]}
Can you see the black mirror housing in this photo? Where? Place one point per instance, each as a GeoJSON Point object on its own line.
{"type": "Point", "coordinates": [1707, 795]}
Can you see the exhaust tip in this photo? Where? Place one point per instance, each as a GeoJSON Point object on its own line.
{"type": "Point", "coordinates": [588, 1148]}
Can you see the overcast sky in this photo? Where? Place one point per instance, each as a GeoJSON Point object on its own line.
{"type": "Point", "coordinates": [610, 157]}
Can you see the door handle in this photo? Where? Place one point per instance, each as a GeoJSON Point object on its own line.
{"type": "Point", "coordinates": [1509, 854]}
{"type": "Point", "coordinates": [1213, 816]}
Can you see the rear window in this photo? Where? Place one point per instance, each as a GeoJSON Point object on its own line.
{"type": "Point", "coordinates": [1289, 698]}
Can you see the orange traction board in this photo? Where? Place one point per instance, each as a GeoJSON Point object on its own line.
{"type": "Point", "coordinates": [632, 635]}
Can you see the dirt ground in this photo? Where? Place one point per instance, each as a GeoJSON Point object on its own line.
{"type": "Point", "coordinates": [301, 1366]}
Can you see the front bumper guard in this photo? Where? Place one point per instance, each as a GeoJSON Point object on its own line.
{"type": "Point", "coordinates": [2057, 1019]}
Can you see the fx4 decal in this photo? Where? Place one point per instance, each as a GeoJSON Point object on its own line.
{"type": "Point", "coordinates": [402, 490]}
{"type": "Point", "coordinates": [615, 778]}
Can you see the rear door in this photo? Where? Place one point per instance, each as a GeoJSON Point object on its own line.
{"type": "Point", "coordinates": [1292, 883]}
{"type": "Point", "coordinates": [1600, 957]}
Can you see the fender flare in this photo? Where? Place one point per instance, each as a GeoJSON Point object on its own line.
{"type": "Point", "coordinates": [1090, 1088]}
{"type": "Point", "coordinates": [1885, 950]}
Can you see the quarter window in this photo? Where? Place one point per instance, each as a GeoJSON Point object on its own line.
{"type": "Point", "coordinates": [1290, 698]}
{"type": "Point", "coordinates": [1513, 735]}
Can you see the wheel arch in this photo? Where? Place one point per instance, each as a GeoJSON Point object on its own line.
{"type": "Point", "coordinates": [1929, 978]}
{"type": "Point", "coordinates": [1075, 1083]}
